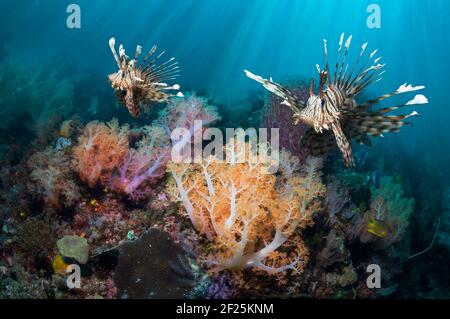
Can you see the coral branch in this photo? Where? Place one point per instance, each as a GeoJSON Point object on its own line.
{"type": "Point", "coordinates": [245, 213]}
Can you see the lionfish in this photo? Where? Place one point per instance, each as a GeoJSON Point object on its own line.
{"type": "Point", "coordinates": [137, 85]}
{"type": "Point", "coordinates": [333, 116]}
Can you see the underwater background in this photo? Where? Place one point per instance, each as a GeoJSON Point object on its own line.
{"type": "Point", "coordinates": [214, 41]}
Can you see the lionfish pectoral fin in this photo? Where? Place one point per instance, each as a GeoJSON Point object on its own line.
{"type": "Point", "coordinates": [362, 120]}
{"type": "Point", "coordinates": [132, 103]}
{"type": "Point", "coordinates": [289, 99]}
{"type": "Point", "coordinates": [344, 145]}
{"type": "Point", "coordinates": [318, 144]}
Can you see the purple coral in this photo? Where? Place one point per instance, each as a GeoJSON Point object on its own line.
{"type": "Point", "coordinates": [220, 287]}
{"type": "Point", "coordinates": [276, 115]}
{"type": "Point", "coordinates": [145, 165]}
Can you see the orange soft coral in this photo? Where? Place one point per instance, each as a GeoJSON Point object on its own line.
{"type": "Point", "coordinates": [101, 148]}
{"type": "Point", "coordinates": [246, 213]}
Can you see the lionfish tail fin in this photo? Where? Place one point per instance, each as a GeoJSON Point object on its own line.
{"type": "Point", "coordinates": [288, 97]}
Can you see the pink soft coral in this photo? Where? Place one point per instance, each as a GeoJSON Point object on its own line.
{"type": "Point", "coordinates": [182, 112]}
{"type": "Point", "coordinates": [145, 164]}
{"type": "Point", "coordinates": [100, 149]}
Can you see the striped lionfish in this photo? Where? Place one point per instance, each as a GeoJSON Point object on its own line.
{"type": "Point", "coordinates": [335, 107]}
{"type": "Point", "coordinates": [137, 85]}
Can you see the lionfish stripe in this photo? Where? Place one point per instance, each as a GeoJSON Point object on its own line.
{"type": "Point", "coordinates": [148, 55]}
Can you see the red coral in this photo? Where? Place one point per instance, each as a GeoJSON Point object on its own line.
{"type": "Point", "coordinates": [106, 223]}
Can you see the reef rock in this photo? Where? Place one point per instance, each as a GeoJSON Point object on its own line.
{"type": "Point", "coordinates": [153, 267]}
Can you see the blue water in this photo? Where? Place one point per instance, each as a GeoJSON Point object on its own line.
{"type": "Point", "coordinates": [214, 40]}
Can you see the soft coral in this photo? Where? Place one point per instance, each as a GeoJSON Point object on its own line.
{"type": "Point", "coordinates": [100, 149]}
{"type": "Point", "coordinates": [247, 213]}
{"type": "Point", "coordinates": [144, 165]}
{"type": "Point", "coordinates": [50, 178]}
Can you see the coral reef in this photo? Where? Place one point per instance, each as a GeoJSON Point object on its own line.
{"type": "Point", "coordinates": [37, 235]}
{"type": "Point", "coordinates": [244, 230]}
{"type": "Point", "coordinates": [149, 226]}
{"type": "Point", "coordinates": [106, 223]}
{"type": "Point", "coordinates": [390, 210]}
{"type": "Point", "coordinates": [74, 247]}
{"type": "Point", "coordinates": [100, 149]}
{"type": "Point", "coordinates": [183, 112]}
{"type": "Point", "coordinates": [144, 165]}
{"type": "Point", "coordinates": [153, 267]}
{"type": "Point", "coordinates": [51, 178]}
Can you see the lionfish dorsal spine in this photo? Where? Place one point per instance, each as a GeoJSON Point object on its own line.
{"type": "Point", "coordinates": [148, 55]}
{"type": "Point", "coordinates": [327, 68]}
{"type": "Point", "coordinates": [341, 40]}
{"type": "Point", "coordinates": [138, 52]}
{"type": "Point", "coordinates": [347, 46]}
{"type": "Point", "coordinates": [112, 45]}
{"type": "Point", "coordinates": [348, 80]}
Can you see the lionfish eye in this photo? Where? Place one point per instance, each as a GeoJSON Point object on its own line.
{"type": "Point", "coordinates": [322, 101]}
